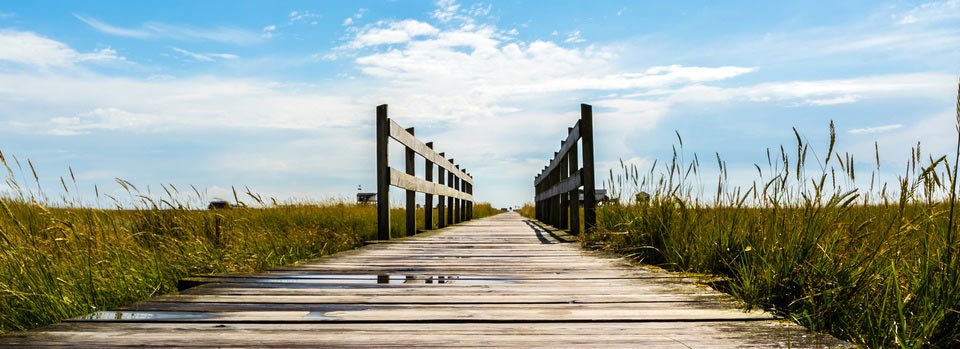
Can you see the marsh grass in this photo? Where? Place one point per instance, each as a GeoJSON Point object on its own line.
{"type": "Point", "coordinates": [61, 260]}
{"type": "Point", "coordinates": [876, 264]}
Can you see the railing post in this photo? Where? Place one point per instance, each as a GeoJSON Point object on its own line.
{"type": "Point", "coordinates": [589, 187]}
{"type": "Point", "coordinates": [564, 202]}
{"type": "Point", "coordinates": [411, 194]}
{"type": "Point", "coordinates": [451, 204]}
{"type": "Point", "coordinates": [554, 180]}
{"type": "Point", "coordinates": [536, 195]}
{"type": "Point", "coordinates": [463, 202]}
{"type": "Point", "coordinates": [574, 195]}
{"type": "Point", "coordinates": [441, 200]}
{"type": "Point", "coordinates": [383, 174]}
{"type": "Point", "coordinates": [428, 198]}
{"type": "Point", "coordinates": [458, 202]}
{"type": "Point", "coordinates": [470, 204]}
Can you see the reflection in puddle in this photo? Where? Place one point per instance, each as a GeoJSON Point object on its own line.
{"type": "Point", "coordinates": [395, 279]}
{"type": "Point", "coordinates": [144, 315]}
{"type": "Point", "coordinates": [320, 315]}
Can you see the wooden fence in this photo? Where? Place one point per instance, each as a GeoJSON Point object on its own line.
{"type": "Point", "coordinates": [557, 186]}
{"type": "Point", "coordinates": [457, 189]}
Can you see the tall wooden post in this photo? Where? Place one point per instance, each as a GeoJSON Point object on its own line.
{"type": "Point", "coordinates": [411, 194]}
{"type": "Point", "coordinates": [555, 200]}
{"type": "Point", "coordinates": [383, 174]}
{"type": "Point", "coordinates": [458, 202]}
{"type": "Point", "coordinates": [536, 194]}
{"type": "Point", "coordinates": [589, 186]}
{"type": "Point", "coordinates": [451, 204]}
{"type": "Point", "coordinates": [564, 203]}
{"type": "Point", "coordinates": [470, 203]}
{"type": "Point", "coordinates": [428, 198]}
{"type": "Point", "coordinates": [574, 195]}
{"type": "Point", "coordinates": [441, 200]}
{"type": "Point", "coordinates": [466, 203]}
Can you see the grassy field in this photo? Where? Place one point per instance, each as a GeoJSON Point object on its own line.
{"type": "Point", "coordinates": [57, 263]}
{"type": "Point", "coordinates": [835, 250]}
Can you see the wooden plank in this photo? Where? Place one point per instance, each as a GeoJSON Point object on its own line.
{"type": "Point", "coordinates": [504, 285]}
{"type": "Point", "coordinates": [648, 335]}
{"type": "Point", "coordinates": [422, 313]}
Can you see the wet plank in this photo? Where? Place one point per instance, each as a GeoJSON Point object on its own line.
{"type": "Point", "coordinates": [497, 282]}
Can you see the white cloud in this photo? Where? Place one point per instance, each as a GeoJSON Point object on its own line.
{"type": "Point", "coordinates": [876, 129]}
{"type": "Point", "coordinates": [303, 16]}
{"type": "Point", "coordinates": [205, 57]}
{"type": "Point", "coordinates": [930, 12]}
{"type": "Point", "coordinates": [808, 92]}
{"type": "Point", "coordinates": [844, 99]}
{"type": "Point", "coordinates": [113, 30]}
{"type": "Point", "coordinates": [100, 119]}
{"type": "Point", "coordinates": [479, 10]}
{"type": "Point", "coordinates": [94, 102]}
{"type": "Point", "coordinates": [32, 49]}
{"type": "Point", "coordinates": [157, 30]}
{"type": "Point", "coordinates": [574, 38]}
{"type": "Point", "coordinates": [5, 15]}
{"type": "Point", "coordinates": [269, 30]}
{"type": "Point", "coordinates": [446, 10]}
{"type": "Point", "coordinates": [469, 86]}
{"type": "Point", "coordinates": [356, 15]}
{"type": "Point", "coordinates": [384, 33]}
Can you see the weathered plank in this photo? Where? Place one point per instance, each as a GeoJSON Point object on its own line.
{"type": "Point", "coordinates": [498, 282]}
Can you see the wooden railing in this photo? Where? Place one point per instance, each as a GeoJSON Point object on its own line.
{"type": "Point", "coordinates": [557, 186]}
{"type": "Point", "coordinates": [457, 189]}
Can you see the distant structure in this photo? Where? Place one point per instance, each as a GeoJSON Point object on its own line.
{"type": "Point", "coordinates": [600, 194]}
{"type": "Point", "coordinates": [365, 198]}
{"type": "Point", "coordinates": [219, 204]}
{"type": "Point", "coordinates": [643, 198]}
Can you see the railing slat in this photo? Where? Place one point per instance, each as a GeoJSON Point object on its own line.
{"type": "Point", "coordinates": [456, 190]}
{"type": "Point", "coordinates": [571, 141]}
{"type": "Point", "coordinates": [401, 135]}
{"type": "Point", "coordinates": [569, 184]}
{"type": "Point", "coordinates": [404, 181]}
{"type": "Point", "coordinates": [557, 200]}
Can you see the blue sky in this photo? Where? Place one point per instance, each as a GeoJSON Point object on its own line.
{"type": "Point", "coordinates": [280, 96]}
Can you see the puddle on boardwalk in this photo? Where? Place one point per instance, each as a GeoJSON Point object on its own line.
{"type": "Point", "coordinates": [320, 315]}
{"type": "Point", "coordinates": [108, 315]}
{"type": "Point", "coordinates": [360, 279]}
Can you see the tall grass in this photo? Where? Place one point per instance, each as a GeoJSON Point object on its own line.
{"type": "Point", "coordinates": [876, 264]}
{"type": "Point", "coordinates": [59, 260]}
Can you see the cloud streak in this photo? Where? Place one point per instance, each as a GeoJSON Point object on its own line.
{"type": "Point", "coordinates": [30, 49]}
{"type": "Point", "coordinates": [875, 129]}
{"type": "Point", "coordinates": [205, 57]}
{"type": "Point", "coordinates": [159, 30]}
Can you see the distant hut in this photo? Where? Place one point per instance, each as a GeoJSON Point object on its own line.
{"type": "Point", "coordinates": [599, 194]}
{"type": "Point", "coordinates": [366, 198]}
{"type": "Point", "coordinates": [219, 204]}
{"type": "Point", "coordinates": [642, 198]}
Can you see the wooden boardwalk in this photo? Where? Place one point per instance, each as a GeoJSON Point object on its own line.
{"type": "Point", "coordinates": [495, 282]}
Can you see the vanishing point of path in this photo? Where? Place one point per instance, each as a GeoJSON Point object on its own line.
{"type": "Point", "coordinates": [503, 281]}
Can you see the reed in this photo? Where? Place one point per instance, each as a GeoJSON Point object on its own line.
{"type": "Point", "coordinates": [811, 238]}
{"type": "Point", "coordinates": [62, 260]}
